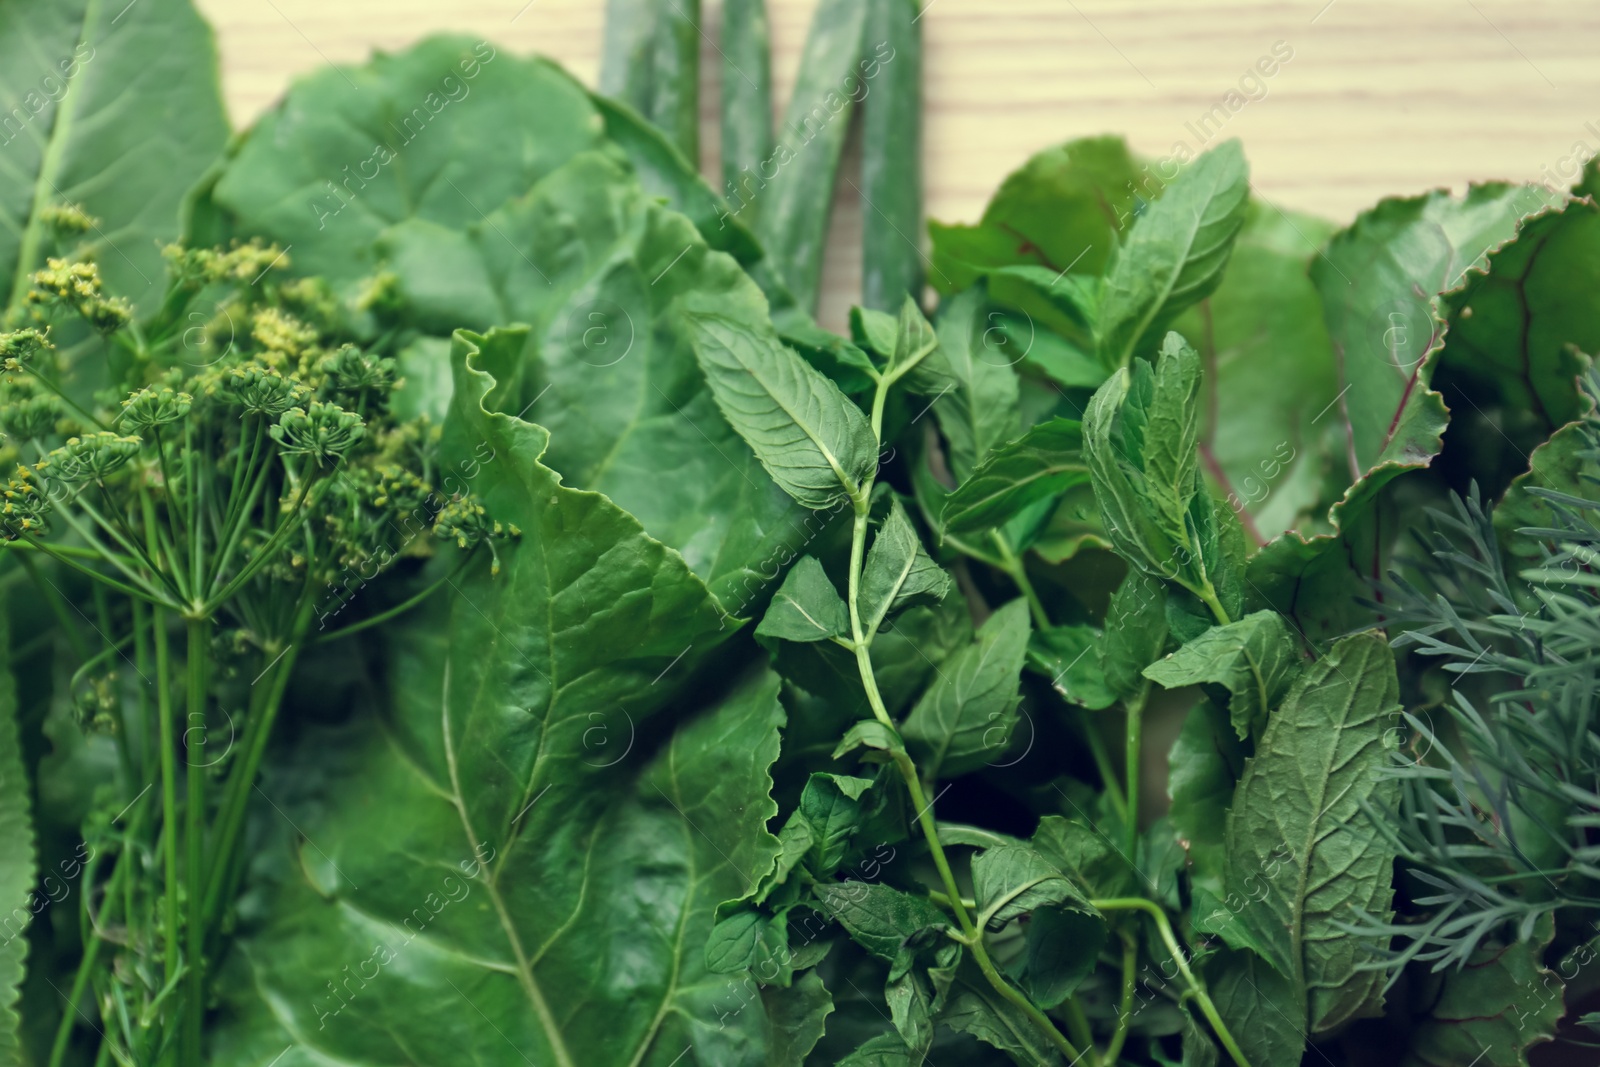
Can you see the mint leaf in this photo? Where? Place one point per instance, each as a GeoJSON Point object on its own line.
{"type": "Point", "coordinates": [1262, 1009]}
{"type": "Point", "coordinates": [970, 380]}
{"type": "Point", "coordinates": [1204, 767]}
{"type": "Point", "coordinates": [811, 439]}
{"type": "Point", "coordinates": [1039, 465]}
{"type": "Point", "coordinates": [1010, 881]}
{"type": "Point", "coordinates": [965, 717]}
{"type": "Point", "coordinates": [898, 573]}
{"type": "Point", "coordinates": [795, 1019]}
{"type": "Point", "coordinates": [1135, 633]}
{"type": "Point", "coordinates": [1254, 658]}
{"type": "Point", "coordinates": [806, 607]}
{"type": "Point", "coordinates": [1303, 857]}
{"type": "Point", "coordinates": [1069, 657]}
{"type": "Point", "coordinates": [831, 806]}
{"type": "Point", "coordinates": [975, 1008]}
{"type": "Point", "coordinates": [875, 330]}
{"type": "Point", "coordinates": [881, 919]}
{"type": "Point", "coordinates": [1175, 254]}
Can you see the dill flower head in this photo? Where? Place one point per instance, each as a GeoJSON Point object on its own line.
{"type": "Point", "coordinates": [17, 345]}
{"type": "Point", "coordinates": [262, 390]}
{"type": "Point", "coordinates": [23, 506]}
{"type": "Point", "coordinates": [149, 408]}
{"type": "Point", "coordinates": [68, 220]}
{"type": "Point", "coordinates": [92, 457]}
{"type": "Point", "coordinates": [75, 284]}
{"type": "Point", "coordinates": [322, 431]}
{"type": "Point", "coordinates": [350, 370]}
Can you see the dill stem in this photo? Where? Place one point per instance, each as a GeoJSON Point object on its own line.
{"type": "Point", "coordinates": [195, 740]}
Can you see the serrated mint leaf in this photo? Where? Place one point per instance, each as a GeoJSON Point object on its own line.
{"type": "Point", "coordinates": [1204, 767]}
{"type": "Point", "coordinates": [1169, 434]}
{"type": "Point", "coordinates": [1063, 946]}
{"type": "Point", "coordinates": [814, 442]}
{"type": "Point", "coordinates": [1254, 658]}
{"type": "Point", "coordinates": [742, 937]}
{"type": "Point", "coordinates": [879, 918]}
{"type": "Point", "coordinates": [969, 378]}
{"type": "Point", "coordinates": [873, 329]}
{"type": "Point", "coordinates": [1039, 465]}
{"type": "Point", "coordinates": [1135, 633]}
{"type": "Point", "coordinates": [870, 734]}
{"type": "Point", "coordinates": [1262, 1008]}
{"type": "Point", "coordinates": [831, 804]}
{"type": "Point", "coordinates": [914, 339]}
{"type": "Point", "coordinates": [1303, 856]}
{"type": "Point", "coordinates": [1070, 657]}
{"type": "Point", "coordinates": [1084, 853]}
{"type": "Point", "coordinates": [964, 718]}
{"type": "Point", "coordinates": [973, 1007]}
{"type": "Point", "coordinates": [1011, 880]}
{"type": "Point", "coordinates": [898, 574]}
{"type": "Point", "coordinates": [806, 607]}
{"type": "Point", "coordinates": [1174, 255]}
{"type": "Point", "coordinates": [884, 1050]}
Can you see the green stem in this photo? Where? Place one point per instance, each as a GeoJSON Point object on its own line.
{"type": "Point", "coordinates": [1198, 991]}
{"type": "Point", "coordinates": [400, 608]}
{"type": "Point", "coordinates": [1018, 572]}
{"type": "Point", "coordinates": [169, 788]}
{"type": "Point", "coordinates": [195, 737]}
{"type": "Point", "coordinates": [1102, 763]}
{"type": "Point", "coordinates": [1208, 593]}
{"type": "Point", "coordinates": [971, 936]}
{"type": "Point", "coordinates": [1135, 746]}
{"type": "Point", "coordinates": [1130, 964]}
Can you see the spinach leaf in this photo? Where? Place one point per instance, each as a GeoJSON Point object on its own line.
{"type": "Point", "coordinates": [17, 855]}
{"type": "Point", "coordinates": [517, 771]}
{"type": "Point", "coordinates": [124, 157]}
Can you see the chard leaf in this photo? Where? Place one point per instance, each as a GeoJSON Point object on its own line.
{"type": "Point", "coordinates": [898, 573]}
{"type": "Point", "coordinates": [1303, 857]}
{"type": "Point", "coordinates": [17, 857]}
{"type": "Point", "coordinates": [1380, 281]}
{"type": "Point", "coordinates": [972, 383]}
{"type": "Point", "coordinates": [1561, 464]}
{"type": "Point", "coordinates": [965, 717]}
{"type": "Point", "coordinates": [1266, 351]}
{"type": "Point", "coordinates": [1060, 210]}
{"type": "Point", "coordinates": [1039, 465]}
{"type": "Point", "coordinates": [1254, 658]}
{"type": "Point", "coordinates": [1517, 327]}
{"type": "Point", "coordinates": [125, 158]}
{"type": "Point", "coordinates": [811, 439]}
{"type": "Point", "coordinates": [1175, 254]}
{"type": "Point", "coordinates": [583, 859]}
{"type": "Point", "coordinates": [806, 607]}
{"type": "Point", "coordinates": [1496, 1007]}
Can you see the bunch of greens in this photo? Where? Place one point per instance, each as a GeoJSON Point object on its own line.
{"type": "Point", "coordinates": [471, 611]}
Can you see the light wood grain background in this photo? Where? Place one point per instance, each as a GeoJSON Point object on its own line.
{"type": "Point", "coordinates": [1381, 96]}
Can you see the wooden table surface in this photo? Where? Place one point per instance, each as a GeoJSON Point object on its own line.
{"type": "Point", "coordinates": [1378, 97]}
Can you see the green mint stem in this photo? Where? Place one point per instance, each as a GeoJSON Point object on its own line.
{"type": "Point", "coordinates": [1135, 746]}
{"type": "Point", "coordinates": [1130, 963]}
{"type": "Point", "coordinates": [1015, 569]}
{"type": "Point", "coordinates": [1197, 990]}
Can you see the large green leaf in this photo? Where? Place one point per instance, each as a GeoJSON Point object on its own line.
{"type": "Point", "coordinates": [1381, 281]}
{"type": "Point", "coordinates": [542, 768]}
{"type": "Point", "coordinates": [445, 132]}
{"type": "Point", "coordinates": [1175, 254]}
{"type": "Point", "coordinates": [1267, 352]}
{"type": "Point", "coordinates": [1492, 1010]}
{"type": "Point", "coordinates": [1303, 856]}
{"type": "Point", "coordinates": [964, 719]}
{"type": "Point", "coordinates": [610, 369]}
{"type": "Point", "coordinates": [812, 440]}
{"type": "Point", "coordinates": [115, 109]}
{"type": "Point", "coordinates": [1515, 326]}
{"type": "Point", "coordinates": [16, 861]}
{"type": "Point", "coordinates": [1060, 210]}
